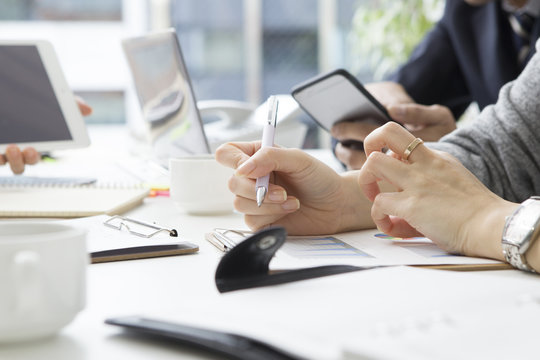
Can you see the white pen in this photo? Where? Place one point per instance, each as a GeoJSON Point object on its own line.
{"type": "Point", "coordinates": [261, 187]}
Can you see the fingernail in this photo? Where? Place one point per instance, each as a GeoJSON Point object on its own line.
{"type": "Point", "coordinates": [246, 168]}
{"type": "Point", "coordinates": [397, 110]}
{"type": "Point", "coordinates": [291, 204]}
{"type": "Point", "coordinates": [277, 195]}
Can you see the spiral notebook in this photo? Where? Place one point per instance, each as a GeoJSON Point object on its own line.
{"type": "Point", "coordinates": [69, 201]}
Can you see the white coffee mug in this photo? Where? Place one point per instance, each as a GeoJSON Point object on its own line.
{"type": "Point", "coordinates": [199, 185]}
{"type": "Point", "coordinates": [42, 278]}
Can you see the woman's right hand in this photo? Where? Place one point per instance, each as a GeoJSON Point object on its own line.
{"type": "Point", "coordinates": [305, 196]}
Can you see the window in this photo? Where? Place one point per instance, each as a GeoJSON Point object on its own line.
{"type": "Point", "coordinates": [87, 38]}
{"type": "Point", "coordinates": [61, 10]}
{"type": "Point", "coordinates": [250, 49]}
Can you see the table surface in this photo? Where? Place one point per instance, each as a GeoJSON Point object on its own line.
{"type": "Point", "coordinates": [172, 284]}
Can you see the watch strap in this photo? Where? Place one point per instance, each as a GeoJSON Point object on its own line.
{"type": "Point", "coordinates": [515, 249]}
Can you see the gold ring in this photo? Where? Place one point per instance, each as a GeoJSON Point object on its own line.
{"type": "Point", "coordinates": [411, 147]}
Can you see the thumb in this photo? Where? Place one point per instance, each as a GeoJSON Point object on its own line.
{"type": "Point", "coordinates": [415, 114]}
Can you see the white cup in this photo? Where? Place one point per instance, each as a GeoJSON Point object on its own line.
{"type": "Point", "coordinates": [199, 185]}
{"type": "Point", "coordinates": [42, 278]}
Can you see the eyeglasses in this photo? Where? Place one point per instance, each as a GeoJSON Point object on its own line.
{"type": "Point", "coordinates": [137, 227]}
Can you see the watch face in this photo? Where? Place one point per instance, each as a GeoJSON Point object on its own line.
{"type": "Point", "coordinates": [517, 233]}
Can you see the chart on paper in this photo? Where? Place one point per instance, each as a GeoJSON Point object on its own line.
{"type": "Point", "coordinates": [315, 247]}
{"type": "Point", "coordinates": [364, 248]}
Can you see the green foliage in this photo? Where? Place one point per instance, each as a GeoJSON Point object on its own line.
{"type": "Point", "coordinates": [384, 32]}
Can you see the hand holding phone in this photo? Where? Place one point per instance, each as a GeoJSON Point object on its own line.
{"type": "Point", "coordinates": [338, 96]}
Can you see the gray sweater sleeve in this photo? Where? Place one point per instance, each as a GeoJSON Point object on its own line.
{"type": "Point", "coordinates": [502, 146]}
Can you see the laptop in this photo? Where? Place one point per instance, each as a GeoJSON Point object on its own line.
{"type": "Point", "coordinates": [173, 119]}
{"type": "Point", "coordinates": [169, 108]}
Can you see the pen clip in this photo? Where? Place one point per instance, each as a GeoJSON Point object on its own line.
{"type": "Point", "coordinates": [273, 104]}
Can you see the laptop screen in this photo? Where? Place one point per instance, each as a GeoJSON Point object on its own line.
{"type": "Point", "coordinates": [165, 95]}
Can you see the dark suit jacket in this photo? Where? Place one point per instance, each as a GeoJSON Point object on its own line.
{"type": "Point", "coordinates": [466, 57]}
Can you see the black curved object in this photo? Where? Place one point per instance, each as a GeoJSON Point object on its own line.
{"type": "Point", "coordinates": [247, 264]}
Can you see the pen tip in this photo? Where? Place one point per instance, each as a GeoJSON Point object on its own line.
{"type": "Point", "coordinates": [261, 193]}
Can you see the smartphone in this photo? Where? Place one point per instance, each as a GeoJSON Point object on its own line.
{"type": "Point", "coordinates": [338, 96]}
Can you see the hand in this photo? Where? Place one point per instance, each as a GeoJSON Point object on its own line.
{"type": "Point", "coordinates": [438, 197]}
{"type": "Point", "coordinates": [84, 108]}
{"type": "Point", "coordinates": [305, 196]}
{"type": "Point", "coordinates": [429, 123]}
{"type": "Point", "coordinates": [18, 158]}
{"type": "Point", "coordinates": [387, 93]}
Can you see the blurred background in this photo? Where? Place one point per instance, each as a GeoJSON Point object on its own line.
{"type": "Point", "coordinates": [235, 49]}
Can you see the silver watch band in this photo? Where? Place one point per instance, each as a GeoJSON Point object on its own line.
{"type": "Point", "coordinates": [520, 231]}
{"type": "Point", "coordinates": [514, 258]}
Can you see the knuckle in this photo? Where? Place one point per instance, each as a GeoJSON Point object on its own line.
{"type": "Point", "coordinates": [220, 152]}
{"type": "Point", "coordinates": [237, 203]}
{"type": "Point", "coordinates": [296, 152]}
{"type": "Point", "coordinates": [252, 223]}
{"type": "Point", "coordinates": [374, 158]}
{"type": "Point", "coordinates": [442, 110]}
{"type": "Point", "coordinates": [232, 184]}
{"type": "Point", "coordinates": [391, 128]}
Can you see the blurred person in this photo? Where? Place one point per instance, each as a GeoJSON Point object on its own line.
{"type": "Point", "coordinates": [476, 47]}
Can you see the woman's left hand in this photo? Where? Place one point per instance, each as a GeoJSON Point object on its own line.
{"type": "Point", "coordinates": [437, 197]}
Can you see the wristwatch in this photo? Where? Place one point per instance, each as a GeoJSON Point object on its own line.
{"type": "Point", "coordinates": [521, 230]}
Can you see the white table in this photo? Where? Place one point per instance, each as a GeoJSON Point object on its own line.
{"type": "Point", "coordinates": [172, 285]}
{"type": "Point", "coordinates": [133, 287]}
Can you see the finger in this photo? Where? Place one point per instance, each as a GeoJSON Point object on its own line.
{"type": "Point", "coordinates": [420, 115]}
{"type": "Point", "coordinates": [257, 222]}
{"type": "Point", "coordinates": [434, 133]}
{"type": "Point", "coordinates": [3, 159]}
{"type": "Point", "coordinates": [270, 159]}
{"type": "Point", "coordinates": [30, 156]}
{"type": "Point", "coordinates": [249, 207]}
{"type": "Point", "coordinates": [84, 108]}
{"type": "Point", "coordinates": [385, 214]}
{"type": "Point", "coordinates": [352, 130]}
{"type": "Point", "coordinates": [354, 159]}
{"type": "Point", "coordinates": [379, 167]}
{"type": "Point", "coordinates": [388, 92]}
{"type": "Point", "coordinates": [15, 158]}
{"type": "Point", "coordinates": [245, 188]}
{"type": "Point", "coordinates": [395, 138]}
{"type": "Point", "coordinates": [233, 154]}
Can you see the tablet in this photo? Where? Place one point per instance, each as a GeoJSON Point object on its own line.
{"type": "Point", "coordinates": [338, 96]}
{"type": "Point", "coordinates": [37, 108]}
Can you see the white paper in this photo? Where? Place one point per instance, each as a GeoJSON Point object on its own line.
{"type": "Point", "coordinates": [386, 313]}
{"type": "Point", "coordinates": [364, 248]}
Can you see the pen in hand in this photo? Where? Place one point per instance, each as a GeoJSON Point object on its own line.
{"type": "Point", "coordinates": [261, 187]}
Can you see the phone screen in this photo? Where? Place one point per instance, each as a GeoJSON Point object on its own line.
{"type": "Point", "coordinates": [337, 97]}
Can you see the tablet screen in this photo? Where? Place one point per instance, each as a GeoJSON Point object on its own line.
{"type": "Point", "coordinates": [29, 110]}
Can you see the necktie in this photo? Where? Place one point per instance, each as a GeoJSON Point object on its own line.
{"type": "Point", "coordinates": [521, 25]}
